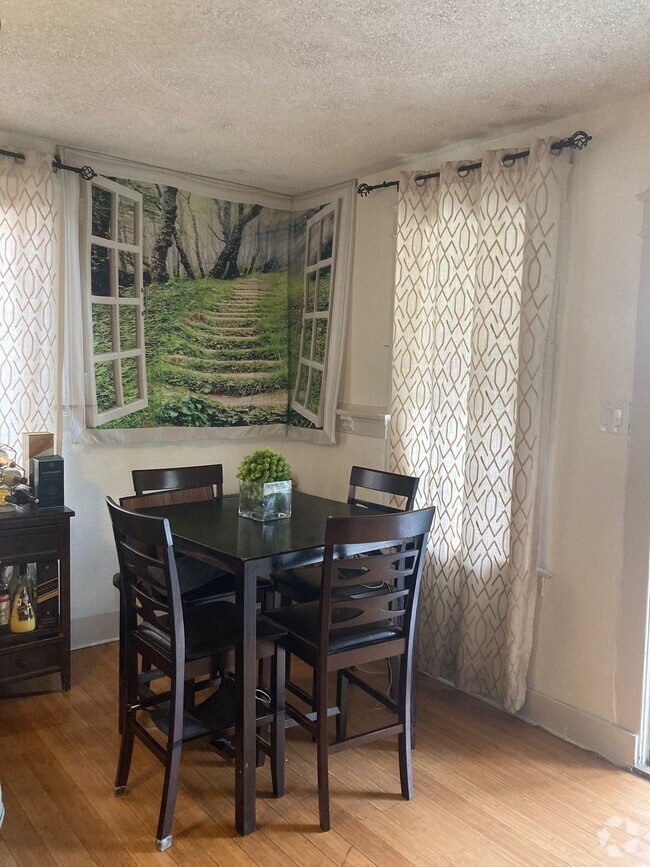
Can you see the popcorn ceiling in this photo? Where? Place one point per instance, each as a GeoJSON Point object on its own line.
{"type": "Point", "coordinates": [292, 95]}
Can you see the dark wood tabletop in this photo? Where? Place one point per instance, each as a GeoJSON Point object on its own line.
{"type": "Point", "coordinates": [214, 527]}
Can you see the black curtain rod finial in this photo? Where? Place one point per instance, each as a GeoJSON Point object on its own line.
{"type": "Point", "coordinates": [366, 189]}
{"type": "Point", "coordinates": [86, 172]}
{"type": "Point", "coordinates": [579, 140]}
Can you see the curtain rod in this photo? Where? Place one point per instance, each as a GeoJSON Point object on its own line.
{"type": "Point", "coordinates": [577, 141]}
{"type": "Point", "coordinates": [86, 172]}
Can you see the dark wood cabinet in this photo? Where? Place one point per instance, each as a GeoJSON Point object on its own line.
{"type": "Point", "coordinates": [40, 537]}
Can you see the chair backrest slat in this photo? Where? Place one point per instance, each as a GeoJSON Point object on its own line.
{"type": "Point", "coordinates": [375, 586]}
{"type": "Point", "coordinates": [373, 608]}
{"type": "Point", "coordinates": [166, 498]}
{"type": "Point", "coordinates": [394, 484]}
{"type": "Point", "coordinates": [209, 475]}
{"type": "Point", "coordinates": [348, 573]}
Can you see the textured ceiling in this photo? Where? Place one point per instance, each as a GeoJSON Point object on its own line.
{"type": "Point", "coordinates": [291, 95]}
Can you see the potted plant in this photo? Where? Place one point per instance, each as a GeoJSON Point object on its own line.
{"type": "Point", "coordinates": [264, 486]}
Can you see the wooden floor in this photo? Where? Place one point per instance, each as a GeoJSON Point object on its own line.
{"type": "Point", "coordinates": [489, 790]}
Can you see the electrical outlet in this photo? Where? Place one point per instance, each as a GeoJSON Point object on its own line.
{"type": "Point", "coordinates": [615, 417]}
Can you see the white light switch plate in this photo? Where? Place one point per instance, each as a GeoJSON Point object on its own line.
{"type": "Point", "coordinates": [615, 417]}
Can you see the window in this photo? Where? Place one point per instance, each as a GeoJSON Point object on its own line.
{"type": "Point", "coordinates": [116, 382]}
{"type": "Point", "coordinates": [319, 270]}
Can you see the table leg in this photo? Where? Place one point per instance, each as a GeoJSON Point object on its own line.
{"type": "Point", "coordinates": [245, 678]}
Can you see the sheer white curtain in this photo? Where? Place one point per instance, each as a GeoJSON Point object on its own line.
{"type": "Point", "coordinates": [475, 282]}
{"type": "Point", "coordinates": [29, 298]}
{"type": "Point", "coordinates": [73, 391]}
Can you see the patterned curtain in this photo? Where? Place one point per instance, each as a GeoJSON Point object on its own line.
{"type": "Point", "coordinates": [475, 280]}
{"type": "Point", "coordinates": [29, 365]}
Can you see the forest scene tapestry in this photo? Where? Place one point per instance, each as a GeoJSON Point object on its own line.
{"type": "Point", "coordinates": [218, 317]}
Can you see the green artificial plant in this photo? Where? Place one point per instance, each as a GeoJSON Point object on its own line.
{"type": "Point", "coordinates": [264, 465]}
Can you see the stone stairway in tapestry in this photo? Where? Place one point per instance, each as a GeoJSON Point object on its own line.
{"type": "Point", "coordinates": [230, 364]}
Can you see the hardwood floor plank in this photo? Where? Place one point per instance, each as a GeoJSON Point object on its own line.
{"type": "Point", "coordinates": [6, 858]}
{"type": "Point", "coordinates": [19, 835]}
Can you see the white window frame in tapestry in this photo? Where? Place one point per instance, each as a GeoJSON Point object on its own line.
{"type": "Point", "coordinates": [313, 315]}
{"type": "Point", "coordinates": [117, 303]}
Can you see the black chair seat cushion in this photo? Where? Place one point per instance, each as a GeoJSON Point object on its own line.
{"type": "Point", "coordinates": [303, 585]}
{"type": "Point", "coordinates": [303, 622]}
{"type": "Point", "coordinates": [209, 630]}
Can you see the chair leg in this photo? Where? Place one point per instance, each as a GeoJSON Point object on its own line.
{"type": "Point", "coordinates": [189, 698]}
{"type": "Point", "coordinates": [404, 740]}
{"type": "Point", "coordinates": [277, 726]}
{"type": "Point", "coordinates": [322, 751]}
{"type": "Point", "coordinates": [342, 684]}
{"type": "Point", "coordinates": [124, 761]}
{"type": "Point", "coordinates": [267, 598]}
{"type": "Point", "coordinates": [128, 698]}
{"type": "Point", "coordinates": [122, 687]}
{"type": "Point", "coordinates": [172, 767]}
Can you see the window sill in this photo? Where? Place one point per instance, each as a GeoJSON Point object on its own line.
{"type": "Point", "coordinates": [362, 420]}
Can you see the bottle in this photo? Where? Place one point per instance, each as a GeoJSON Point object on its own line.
{"type": "Point", "coordinates": [21, 496]}
{"type": "Point", "coordinates": [23, 609]}
{"type": "Point", "coordinates": [5, 459]}
{"type": "Point", "coordinates": [12, 476]}
{"type": "Point", "coordinates": [5, 601]}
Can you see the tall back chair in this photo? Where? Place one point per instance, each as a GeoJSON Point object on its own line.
{"type": "Point", "coordinates": [383, 482]}
{"type": "Point", "coordinates": [208, 476]}
{"type": "Point", "coordinates": [165, 635]}
{"type": "Point", "coordinates": [303, 585]}
{"type": "Point", "coordinates": [199, 581]}
{"type": "Point", "coordinates": [360, 618]}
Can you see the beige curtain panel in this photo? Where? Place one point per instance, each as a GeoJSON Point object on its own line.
{"type": "Point", "coordinates": [29, 242]}
{"type": "Point", "coordinates": [475, 282]}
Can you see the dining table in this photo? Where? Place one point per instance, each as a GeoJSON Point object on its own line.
{"type": "Point", "coordinates": [213, 531]}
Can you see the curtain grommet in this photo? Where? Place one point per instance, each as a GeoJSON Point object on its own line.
{"type": "Point", "coordinates": [507, 161]}
{"type": "Point", "coordinates": [462, 171]}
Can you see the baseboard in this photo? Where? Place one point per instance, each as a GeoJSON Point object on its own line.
{"type": "Point", "coordinates": [96, 629]}
{"type": "Point", "coordinates": [616, 744]}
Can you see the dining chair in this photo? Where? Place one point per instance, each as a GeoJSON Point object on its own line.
{"type": "Point", "coordinates": [350, 626]}
{"type": "Point", "coordinates": [201, 582]}
{"type": "Point", "coordinates": [303, 584]}
{"type": "Point", "coordinates": [173, 638]}
{"type": "Point", "coordinates": [208, 475]}
{"type": "Point", "coordinates": [206, 583]}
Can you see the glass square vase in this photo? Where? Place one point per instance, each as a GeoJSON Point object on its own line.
{"type": "Point", "coordinates": [265, 501]}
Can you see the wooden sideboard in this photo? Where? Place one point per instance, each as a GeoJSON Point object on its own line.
{"type": "Point", "coordinates": [42, 537]}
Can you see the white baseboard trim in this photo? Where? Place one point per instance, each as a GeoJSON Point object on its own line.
{"type": "Point", "coordinates": [96, 629]}
{"type": "Point", "coordinates": [616, 744]}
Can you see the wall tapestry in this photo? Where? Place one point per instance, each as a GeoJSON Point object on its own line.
{"type": "Point", "coordinates": [201, 312]}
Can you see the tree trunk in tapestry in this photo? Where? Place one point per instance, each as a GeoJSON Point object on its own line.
{"type": "Point", "coordinates": [163, 240]}
{"type": "Point", "coordinates": [182, 255]}
{"type": "Point", "coordinates": [225, 268]}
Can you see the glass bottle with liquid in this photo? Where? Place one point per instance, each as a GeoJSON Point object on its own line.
{"type": "Point", "coordinates": [5, 598]}
{"type": "Point", "coordinates": [23, 606]}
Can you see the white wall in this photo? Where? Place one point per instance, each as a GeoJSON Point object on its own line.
{"type": "Point", "coordinates": [585, 674]}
